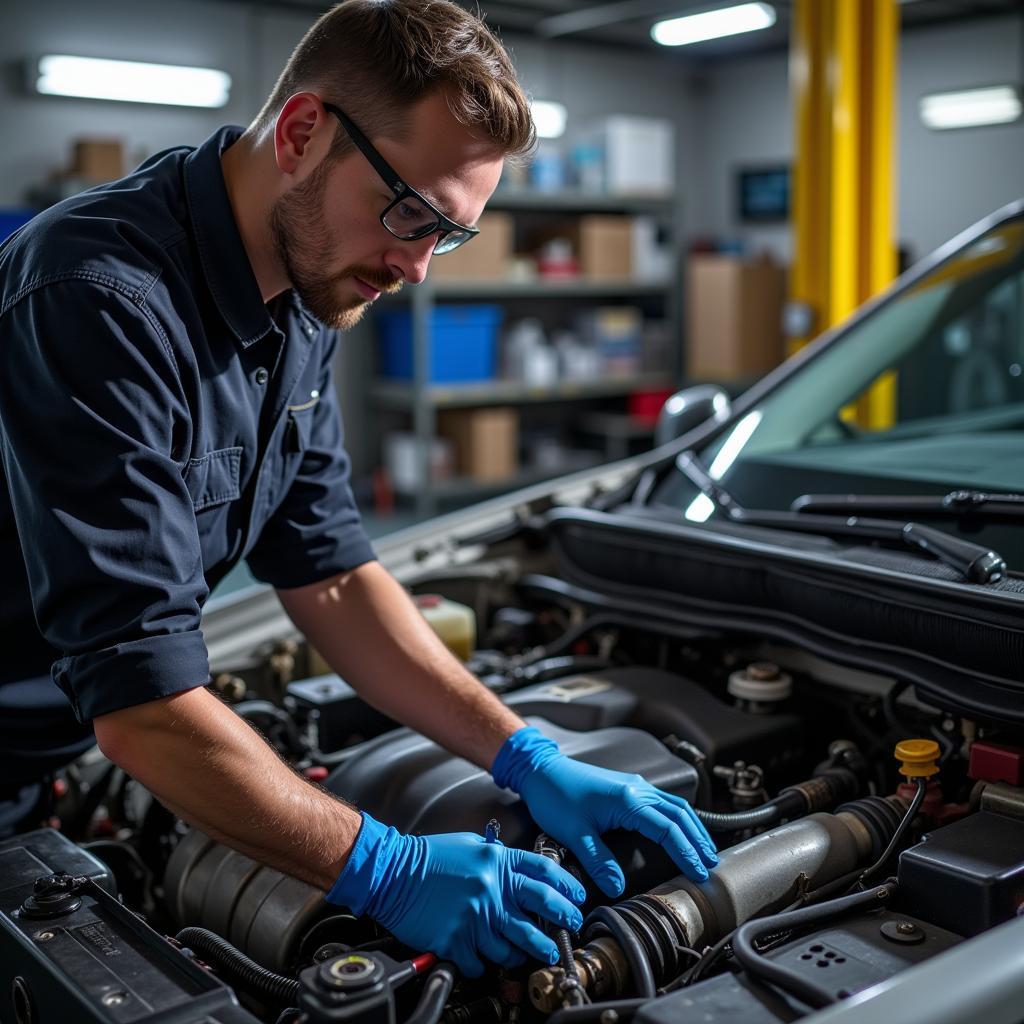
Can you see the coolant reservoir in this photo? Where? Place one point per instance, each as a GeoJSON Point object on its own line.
{"type": "Point", "coordinates": [454, 623]}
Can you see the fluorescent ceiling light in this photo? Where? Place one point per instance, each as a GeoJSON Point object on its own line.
{"type": "Point", "coordinates": [997, 104]}
{"type": "Point", "coordinates": [728, 21]}
{"type": "Point", "coordinates": [131, 81]}
{"type": "Point", "coordinates": [549, 118]}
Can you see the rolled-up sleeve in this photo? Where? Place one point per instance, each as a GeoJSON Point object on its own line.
{"type": "Point", "coordinates": [93, 425]}
{"type": "Point", "coordinates": [316, 531]}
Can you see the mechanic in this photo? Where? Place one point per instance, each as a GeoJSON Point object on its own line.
{"type": "Point", "coordinates": [167, 409]}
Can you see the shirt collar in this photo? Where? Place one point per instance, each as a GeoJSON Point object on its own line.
{"type": "Point", "coordinates": [224, 260]}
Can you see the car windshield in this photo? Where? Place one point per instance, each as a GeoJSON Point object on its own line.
{"type": "Point", "coordinates": [943, 363]}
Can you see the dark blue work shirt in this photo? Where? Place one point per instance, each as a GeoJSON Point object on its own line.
{"type": "Point", "coordinates": [158, 423]}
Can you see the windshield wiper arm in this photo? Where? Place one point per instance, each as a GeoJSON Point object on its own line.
{"type": "Point", "coordinates": [959, 504]}
{"type": "Point", "coordinates": [976, 563]}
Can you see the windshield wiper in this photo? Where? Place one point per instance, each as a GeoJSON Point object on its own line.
{"type": "Point", "coordinates": [976, 563]}
{"type": "Point", "coordinates": [960, 504]}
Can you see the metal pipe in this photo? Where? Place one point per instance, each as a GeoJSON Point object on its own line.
{"type": "Point", "coordinates": [761, 875]}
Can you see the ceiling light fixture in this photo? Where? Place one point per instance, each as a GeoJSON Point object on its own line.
{"type": "Point", "coordinates": [131, 81]}
{"type": "Point", "coordinates": [549, 118]}
{"type": "Point", "coordinates": [971, 108]}
{"type": "Point", "coordinates": [727, 21]}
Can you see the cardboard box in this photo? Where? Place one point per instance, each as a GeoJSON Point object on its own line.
{"type": "Point", "coordinates": [98, 160]}
{"type": "Point", "coordinates": [486, 441]}
{"type": "Point", "coordinates": [602, 244]}
{"type": "Point", "coordinates": [606, 247]}
{"type": "Point", "coordinates": [484, 258]}
{"type": "Point", "coordinates": [733, 318]}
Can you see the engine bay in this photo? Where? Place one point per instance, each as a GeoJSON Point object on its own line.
{"type": "Point", "coordinates": [863, 830]}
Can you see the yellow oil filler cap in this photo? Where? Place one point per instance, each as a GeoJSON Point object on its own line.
{"type": "Point", "coordinates": [918, 757]}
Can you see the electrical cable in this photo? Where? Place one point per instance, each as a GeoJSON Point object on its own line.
{"type": "Point", "coordinates": [922, 786]}
{"type": "Point", "coordinates": [436, 990]}
{"type": "Point", "coordinates": [607, 918]}
{"type": "Point", "coordinates": [745, 951]}
{"type": "Point", "coordinates": [239, 968]}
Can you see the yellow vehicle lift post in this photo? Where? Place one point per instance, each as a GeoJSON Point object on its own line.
{"type": "Point", "coordinates": [843, 80]}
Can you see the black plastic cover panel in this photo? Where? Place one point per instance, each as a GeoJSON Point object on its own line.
{"type": "Point", "coordinates": [97, 963]}
{"type": "Point", "coordinates": [968, 875]}
{"type": "Point", "coordinates": [960, 644]}
{"type": "Point", "coordinates": [407, 781]}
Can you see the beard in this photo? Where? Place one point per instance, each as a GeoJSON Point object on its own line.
{"type": "Point", "coordinates": [303, 244]}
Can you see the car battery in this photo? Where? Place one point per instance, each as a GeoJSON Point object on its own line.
{"type": "Point", "coordinates": [968, 876]}
{"type": "Point", "coordinates": [69, 951]}
{"type": "Point", "coordinates": [338, 713]}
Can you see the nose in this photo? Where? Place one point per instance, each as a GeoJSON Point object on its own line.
{"type": "Point", "coordinates": [409, 260]}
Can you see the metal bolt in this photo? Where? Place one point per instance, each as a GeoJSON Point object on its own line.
{"type": "Point", "coordinates": [44, 936]}
{"type": "Point", "coordinates": [905, 928]}
{"type": "Point", "coordinates": [114, 998]}
{"type": "Point", "coordinates": [609, 1017]}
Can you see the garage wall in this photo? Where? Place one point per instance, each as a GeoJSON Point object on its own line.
{"type": "Point", "coordinates": [947, 180]}
{"type": "Point", "coordinates": [252, 42]}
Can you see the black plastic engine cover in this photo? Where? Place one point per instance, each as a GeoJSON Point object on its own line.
{"type": "Point", "coordinates": [660, 703]}
{"type": "Point", "coordinates": [968, 875]}
{"type": "Point", "coordinates": [97, 962]}
{"type": "Point", "coordinates": [410, 782]}
{"type": "Point", "coordinates": [847, 957]}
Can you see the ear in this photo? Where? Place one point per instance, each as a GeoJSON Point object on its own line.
{"type": "Point", "coordinates": [301, 133]}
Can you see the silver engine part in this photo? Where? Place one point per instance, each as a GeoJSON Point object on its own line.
{"type": "Point", "coordinates": [761, 875]}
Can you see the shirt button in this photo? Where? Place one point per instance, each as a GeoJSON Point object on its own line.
{"type": "Point", "coordinates": [262, 376]}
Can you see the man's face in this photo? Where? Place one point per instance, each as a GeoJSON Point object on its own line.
{"type": "Point", "coordinates": [326, 230]}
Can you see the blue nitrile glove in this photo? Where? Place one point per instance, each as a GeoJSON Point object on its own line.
{"type": "Point", "coordinates": [458, 895]}
{"type": "Point", "coordinates": [575, 803]}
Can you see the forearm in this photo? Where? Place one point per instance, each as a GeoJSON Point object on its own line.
{"type": "Point", "coordinates": [209, 767]}
{"type": "Point", "coordinates": [367, 628]}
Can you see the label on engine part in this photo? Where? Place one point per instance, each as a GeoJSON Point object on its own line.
{"type": "Point", "coordinates": [98, 936]}
{"type": "Point", "coordinates": [574, 689]}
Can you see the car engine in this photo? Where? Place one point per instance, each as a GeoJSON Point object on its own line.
{"type": "Point", "coordinates": [862, 830]}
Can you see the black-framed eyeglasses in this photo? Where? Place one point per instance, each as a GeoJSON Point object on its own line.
{"type": "Point", "coordinates": [408, 216]}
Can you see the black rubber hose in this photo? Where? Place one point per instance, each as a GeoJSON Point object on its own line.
{"type": "Point", "coordinates": [809, 992]}
{"type": "Point", "coordinates": [592, 1013]}
{"type": "Point", "coordinates": [639, 966]}
{"type": "Point", "coordinates": [561, 665]}
{"type": "Point", "coordinates": [239, 968]}
{"type": "Point", "coordinates": [435, 994]}
{"type": "Point", "coordinates": [785, 805]}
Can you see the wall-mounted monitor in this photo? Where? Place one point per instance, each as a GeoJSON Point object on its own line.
{"type": "Point", "coordinates": [763, 194]}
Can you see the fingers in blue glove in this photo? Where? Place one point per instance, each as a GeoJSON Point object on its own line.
{"type": "Point", "coordinates": [545, 870]}
{"type": "Point", "coordinates": [497, 950]}
{"type": "Point", "coordinates": [699, 833]}
{"type": "Point", "coordinates": [530, 938]}
{"type": "Point", "coordinates": [540, 899]}
{"type": "Point", "coordinates": [598, 862]}
{"type": "Point", "coordinates": [463, 955]}
{"type": "Point", "coordinates": [659, 827]}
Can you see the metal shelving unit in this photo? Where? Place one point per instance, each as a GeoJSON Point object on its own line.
{"type": "Point", "coordinates": [423, 399]}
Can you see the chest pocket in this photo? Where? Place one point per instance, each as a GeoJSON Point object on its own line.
{"type": "Point", "coordinates": [300, 424]}
{"type": "Point", "coordinates": [212, 479]}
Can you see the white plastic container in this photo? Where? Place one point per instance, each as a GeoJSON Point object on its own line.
{"type": "Point", "coordinates": [454, 623]}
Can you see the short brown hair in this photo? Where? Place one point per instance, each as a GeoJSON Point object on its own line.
{"type": "Point", "coordinates": [375, 58]}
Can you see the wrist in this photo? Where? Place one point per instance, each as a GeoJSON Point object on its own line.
{"type": "Point", "coordinates": [523, 753]}
{"type": "Point", "coordinates": [376, 846]}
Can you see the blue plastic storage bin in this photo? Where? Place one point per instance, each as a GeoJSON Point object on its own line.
{"type": "Point", "coordinates": [463, 343]}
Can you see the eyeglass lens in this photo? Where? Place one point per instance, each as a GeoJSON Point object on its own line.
{"type": "Point", "coordinates": [409, 219]}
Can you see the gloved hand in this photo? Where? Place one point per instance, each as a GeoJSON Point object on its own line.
{"type": "Point", "coordinates": [458, 895]}
{"type": "Point", "coordinates": [575, 803]}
